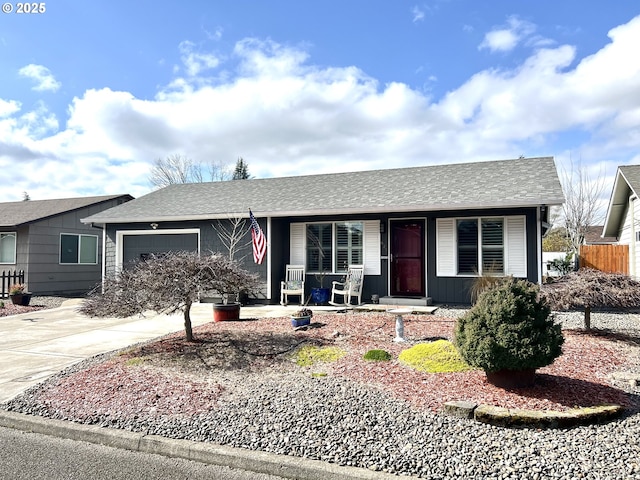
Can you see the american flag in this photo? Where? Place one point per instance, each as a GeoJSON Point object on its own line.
{"type": "Point", "coordinates": [258, 240]}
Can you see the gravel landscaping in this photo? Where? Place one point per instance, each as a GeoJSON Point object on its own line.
{"type": "Point", "coordinates": [240, 386]}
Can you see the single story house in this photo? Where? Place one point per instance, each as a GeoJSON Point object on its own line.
{"type": "Point", "coordinates": [46, 239]}
{"type": "Point", "coordinates": [623, 214]}
{"type": "Point", "coordinates": [421, 233]}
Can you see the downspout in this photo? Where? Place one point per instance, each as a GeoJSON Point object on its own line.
{"type": "Point", "coordinates": [632, 240]}
{"type": "Point", "coordinates": [269, 258]}
{"type": "Point", "coordinates": [104, 254]}
{"type": "Point", "coordinates": [539, 243]}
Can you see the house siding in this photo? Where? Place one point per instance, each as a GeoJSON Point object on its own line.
{"type": "Point", "coordinates": [39, 249]}
{"type": "Point", "coordinates": [628, 233]}
{"type": "Point", "coordinates": [455, 289]}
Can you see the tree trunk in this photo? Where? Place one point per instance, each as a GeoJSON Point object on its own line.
{"type": "Point", "coordinates": [187, 321]}
{"type": "Point", "coordinates": [587, 318]}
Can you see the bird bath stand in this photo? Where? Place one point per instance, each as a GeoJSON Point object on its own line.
{"type": "Point", "coordinates": [399, 312]}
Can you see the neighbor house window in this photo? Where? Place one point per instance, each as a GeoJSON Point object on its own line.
{"type": "Point", "coordinates": [78, 249]}
{"type": "Point", "coordinates": [332, 247]}
{"type": "Point", "coordinates": [477, 246]}
{"type": "Point", "coordinates": [8, 247]}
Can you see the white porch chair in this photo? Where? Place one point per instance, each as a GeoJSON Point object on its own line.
{"type": "Point", "coordinates": [293, 284]}
{"type": "Point", "coordinates": [351, 287]}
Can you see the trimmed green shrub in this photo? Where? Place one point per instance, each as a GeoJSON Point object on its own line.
{"type": "Point", "coordinates": [434, 357]}
{"type": "Point", "coordinates": [509, 328]}
{"type": "Point", "coordinates": [377, 356]}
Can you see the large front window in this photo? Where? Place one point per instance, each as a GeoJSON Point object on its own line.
{"type": "Point", "coordinates": [480, 240]}
{"type": "Point", "coordinates": [8, 247]}
{"type": "Point", "coordinates": [332, 247]}
{"type": "Point", "coordinates": [78, 249]}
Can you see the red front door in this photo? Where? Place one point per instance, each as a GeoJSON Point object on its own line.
{"type": "Point", "coordinates": [407, 258]}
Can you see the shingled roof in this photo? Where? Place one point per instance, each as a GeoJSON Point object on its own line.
{"type": "Point", "coordinates": [15, 214]}
{"type": "Point", "coordinates": [505, 183]}
{"type": "Point", "coordinates": [627, 182]}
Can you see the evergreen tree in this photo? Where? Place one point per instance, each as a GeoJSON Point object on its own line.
{"type": "Point", "coordinates": [241, 171]}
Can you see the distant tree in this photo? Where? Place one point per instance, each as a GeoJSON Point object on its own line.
{"type": "Point", "coordinates": [25, 197]}
{"type": "Point", "coordinates": [167, 284]}
{"type": "Point", "coordinates": [556, 240]}
{"type": "Point", "coordinates": [241, 171]}
{"type": "Point", "coordinates": [181, 169]}
{"type": "Point", "coordinates": [580, 209]}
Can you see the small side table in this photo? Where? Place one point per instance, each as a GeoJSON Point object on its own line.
{"type": "Point", "coordinates": [399, 312]}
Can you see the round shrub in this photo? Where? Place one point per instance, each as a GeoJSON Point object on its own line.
{"type": "Point", "coordinates": [509, 328]}
{"type": "Point", "coordinates": [434, 357]}
{"type": "Point", "coordinates": [377, 356]}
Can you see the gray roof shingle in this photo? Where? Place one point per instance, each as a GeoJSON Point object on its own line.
{"type": "Point", "coordinates": [14, 214]}
{"type": "Point", "coordinates": [504, 183]}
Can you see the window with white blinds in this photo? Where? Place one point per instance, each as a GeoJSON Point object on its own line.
{"type": "Point", "coordinates": [472, 246]}
{"type": "Point", "coordinates": [333, 246]}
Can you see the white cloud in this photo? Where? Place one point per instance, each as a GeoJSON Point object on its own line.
{"type": "Point", "coordinates": [45, 81]}
{"type": "Point", "coordinates": [418, 14]}
{"type": "Point", "coordinates": [196, 62]}
{"type": "Point", "coordinates": [286, 116]}
{"type": "Point", "coordinates": [506, 38]}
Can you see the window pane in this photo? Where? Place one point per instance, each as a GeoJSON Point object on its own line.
{"type": "Point", "coordinates": [88, 249]}
{"type": "Point", "coordinates": [8, 248]}
{"type": "Point", "coordinates": [467, 246]}
{"type": "Point", "coordinates": [492, 245]}
{"type": "Point", "coordinates": [68, 249]}
{"type": "Point", "coordinates": [349, 241]}
{"type": "Point", "coordinates": [319, 247]}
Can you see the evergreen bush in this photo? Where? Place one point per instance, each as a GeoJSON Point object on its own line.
{"type": "Point", "coordinates": [509, 328]}
{"type": "Point", "coordinates": [377, 356]}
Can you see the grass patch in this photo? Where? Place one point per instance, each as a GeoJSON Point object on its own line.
{"type": "Point", "coordinates": [134, 362]}
{"type": "Point", "coordinates": [377, 356]}
{"type": "Point", "coordinates": [434, 357]}
{"type": "Point", "coordinates": [308, 355]}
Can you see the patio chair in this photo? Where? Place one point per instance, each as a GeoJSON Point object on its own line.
{"type": "Point", "coordinates": [293, 284]}
{"type": "Point", "coordinates": [351, 287]}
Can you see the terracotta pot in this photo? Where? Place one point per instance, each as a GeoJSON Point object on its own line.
{"type": "Point", "coordinates": [512, 378]}
{"type": "Point", "coordinates": [222, 312]}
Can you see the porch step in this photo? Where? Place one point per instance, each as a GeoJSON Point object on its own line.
{"type": "Point", "coordinates": [409, 301]}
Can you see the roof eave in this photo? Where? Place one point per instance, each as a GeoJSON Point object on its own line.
{"type": "Point", "coordinates": [323, 212]}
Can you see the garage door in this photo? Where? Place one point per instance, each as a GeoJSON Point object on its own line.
{"type": "Point", "coordinates": [137, 247]}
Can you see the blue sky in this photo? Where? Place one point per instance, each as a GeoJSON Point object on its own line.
{"type": "Point", "coordinates": [92, 93]}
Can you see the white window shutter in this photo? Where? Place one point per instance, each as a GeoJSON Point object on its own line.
{"type": "Point", "coordinates": [445, 247]}
{"type": "Point", "coordinates": [297, 244]}
{"type": "Point", "coordinates": [372, 247]}
{"type": "Point", "coordinates": [516, 247]}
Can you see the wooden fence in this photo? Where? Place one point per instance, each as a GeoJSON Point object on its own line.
{"type": "Point", "coordinates": [8, 279]}
{"type": "Point", "coordinates": [606, 258]}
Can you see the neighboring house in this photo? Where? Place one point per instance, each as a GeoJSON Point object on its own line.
{"type": "Point", "coordinates": [593, 236]}
{"type": "Point", "coordinates": [623, 214]}
{"type": "Point", "coordinates": [420, 232]}
{"type": "Point", "coordinates": [58, 253]}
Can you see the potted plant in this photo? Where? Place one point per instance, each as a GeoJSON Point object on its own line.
{"type": "Point", "coordinates": [19, 295]}
{"type": "Point", "coordinates": [320, 295]}
{"type": "Point", "coordinates": [301, 317]}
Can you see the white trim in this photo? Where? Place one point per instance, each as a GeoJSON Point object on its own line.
{"type": "Point", "coordinates": [268, 279]}
{"type": "Point", "coordinates": [120, 234]}
{"type": "Point", "coordinates": [15, 247]}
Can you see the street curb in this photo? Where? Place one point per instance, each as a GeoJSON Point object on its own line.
{"type": "Point", "coordinates": [209, 453]}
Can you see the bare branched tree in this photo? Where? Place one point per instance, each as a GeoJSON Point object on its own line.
{"type": "Point", "coordinates": [581, 208]}
{"type": "Point", "coordinates": [166, 284]}
{"type": "Point", "coordinates": [181, 169]}
{"type": "Point", "coordinates": [588, 288]}
{"type": "Point", "coordinates": [233, 236]}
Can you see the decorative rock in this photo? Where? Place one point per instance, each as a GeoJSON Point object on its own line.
{"type": "Point", "coordinates": [459, 409]}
